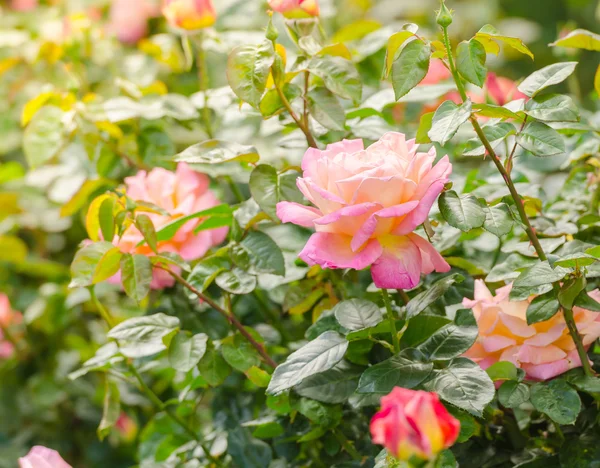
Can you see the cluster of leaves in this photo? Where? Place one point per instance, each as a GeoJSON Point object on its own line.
{"type": "Point", "coordinates": [253, 358]}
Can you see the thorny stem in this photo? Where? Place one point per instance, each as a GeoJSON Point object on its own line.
{"type": "Point", "coordinates": [228, 314]}
{"type": "Point", "coordinates": [301, 124]}
{"type": "Point", "coordinates": [153, 397]}
{"type": "Point", "coordinates": [568, 314]}
{"type": "Point", "coordinates": [203, 79]}
{"type": "Point", "coordinates": [305, 109]}
{"type": "Point", "coordinates": [391, 319]}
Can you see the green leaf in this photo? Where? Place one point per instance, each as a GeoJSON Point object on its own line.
{"type": "Point", "coordinates": [579, 39]}
{"type": "Point", "coordinates": [464, 384]}
{"type": "Point", "coordinates": [545, 77]}
{"type": "Point", "coordinates": [239, 353]}
{"type": "Point", "coordinates": [575, 260]}
{"type": "Point", "coordinates": [170, 258]}
{"type": "Point", "coordinates": [420, 328]}
{"type": "Point", "coordinates": [570, 290]}
{"type": "Point", "coordinates": [146, 227]}
{"type": "Point", "coordinates": [143, 336]}
{"type": "Point", "coordinates": [185, 350]}
{"type": "Point", "coordinates": [106, 356]}
{"type": "Point", "coordinates": [236, 281]}
{"type": "Point", "coordinates": [411, 66]}
{"type": "Point", "coordinates": [540, 139]}
{"type": "Point", "coordinates": [488, 35]}
{"type": "Point", "coordinates": [447, 119]}
{"type": "Point", "coordinates": [424, 127]}
{"type": "Point", "coordinates": [317, 356]}
{"type": "Point", "coordinates": [464, 213]}
{"type": "Point", "coordinates": [424, 299]}
{"type": "Point", "coordinates": [94, 263]}
{"type": "Point", "coordinates": [106, 219]}
{"type": "Point", "coordinates": [557, 400]}
{"type": "Point", "coordinates": [333, 386]}
{"type": "Point", "coordinates": [396, 41]}
{"type": "Point", "coordinates": [495, 134]}
{"type": "Point", "coordinates": [261, 253]}
{"type": "Point", "coordinates": [339, 75]}
{"type": "Point", "coordinates": [502, 370]}
{"type": "Point", "coordinates": [553, 108]}
{"type": "Point", "coordinates": [585, 301]}
{"type": "Point", "coordinates": [206, 270]}
{"type": "Point", "coordinates": [217, 152]}
{"type": "Point", "coordinates": [407, 369]}
{"type": "Point", "coordinates": [43, 138]}
{"type": "Point", "coordinates": [536, 280]}
{"type": "Point", "coordinates": [470, 61]}
{"type": "Point", "coordinates": [453, 339]}
{"type": "Point", "coordinates": [248, 68]}
{"type": "Point", "coordinates": [111, 409]}
{"type": "Point", "coordinates": [213, 367]}
{"type": "Point", "coordinates": [498, 219]}
{"type": "Point", "coordinates": [136, 275]}
{"type": "Point", "coordinates": [271, 104]}
{"type": "Point", "coordinates": [325, 108]}
{"type": "Point", "coordinates": [167, 232]}
{"type": "Point", "coordinates": [357, 314]}
{"type": "Point", "coordinates": [247, 451]}
{"type": "Point", "coordinates": [542, 308]}
{"type": "Point", "coordinates": [496, 112]}
{"type": "Point", "coordinates": [513, 394]}
{"type": "Point", "coordinates": [580, 451]}
{"type": "Point", "coordinates": [268, 188]}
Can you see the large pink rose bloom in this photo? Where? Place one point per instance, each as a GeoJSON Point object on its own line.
{"type": "Point", "coordinates": [180, 193]}
{"type": "Point", "coordinates": [413, 423]}
{"type": "Point", "coordinates": [42, 457]}
{"type": "Point", "coordinates": [8, 317]}
{"type": "Point", "coordinates": [295, 8]}
{"type": "Point", "coordinates": [368, 202]}
{"type": "Point", "coordinates": [543, 350]}
{"type": "Point", "coordinates": [129, 19]}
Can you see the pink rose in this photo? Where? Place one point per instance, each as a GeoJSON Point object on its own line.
{"type": "Point", "coordinates": [437, 72]}
{"type": "Point", "coordinates": [180, 193]}
{"type": "Point", "coordinates": [42, 457]}
{"type": "Point", "coordinates": [8, 317]}
{"type": "Point", "coordinates": [24, 5]}
{"type": "Point", "coordinates": [129, 19]}
{"type": "Point", "coordinates": [295, 8]}
{"type": "Point", "coordinates": [190, 14]}
{"type": "Point", "coordinates": [413, 423]}
{"type": "Point", "coordinates": [502, 90]}
{"type": "Point", "coordinates": [543, 350]}
{"type": "Point", "coordinates": [368, 202]}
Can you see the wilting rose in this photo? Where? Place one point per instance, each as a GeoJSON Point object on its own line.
{"type": "Point", "coordinates": [180, 193]}
{"type": "Point", "coordinates": [8, 317]}
{"type": "Point", "coordinates": [368, 203]}
{"type": "Point", "coordinates": [295, 8]}
{"type": "Point", "coordinates": [413, 423]}
{"type": "Point", "coordinates": [543, 350]}
{"type": "Point", "coordinates": [42, 457]}
{"type": "Point", "coordinates": [190, 14]}
{"type": "Point", "coordinates": [129, 19]}
{"type": "Point", "coordinates": [23, 5]}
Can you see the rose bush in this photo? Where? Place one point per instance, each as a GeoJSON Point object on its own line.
{"type": "Point", "coordinates": [270, 234]}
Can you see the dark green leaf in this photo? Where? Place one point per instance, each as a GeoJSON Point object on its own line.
{"type": "Point", "coordinates": [542, 308]}
{"type": "Point", "coordinates": [325, 108]}
{"type": "Point", "coordinates": [585, 301]}
{"type": "Point", "coordinates": [236, 281]}
{"type": "Point", "coordinates": [269, 188]}
{"type": "Point", "coordinates": [540, 139]}
{"type": "Point", "coordinates": [424, 299]}
{"type": "Point", "coordinates": [470, 61]}
{"type": "Point", "coordinates": [557, 400]}
{"type": "Point", "coordinates": [547, 76]}
{"type": "Point", "coordinates": [464, 213]}
{"type": "Point", "coordinates": [246, 451]}
{"type": "Point", "coordinates": [333, 386]}
{"type": "Point", "coordinates": [205, 271]}
{"type": "Point", "coordinates": [357, 314]}
{"type": "Point", "coordinates": [239, 353]}
{"type": "Point", "coordinates": [536, 280]}
{"type": "Point", "coordinates": [185, 350]}
{"type": "Point", "coordinates": [213, 367]}
{"type": "Point", "coordinates": [453, 339]}
{"type": "Point", "coordinates": [136, 275]}
{"type": "Point", "coordinates": [513, 394]}
{"type": "Point", "coordinates": [498, 219]}
{"type": "Point", "coordinates": [262, 253]}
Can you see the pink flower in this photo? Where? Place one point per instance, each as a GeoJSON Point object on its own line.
{"type": "Point", "coordinates": [180, 193]}
{"type": "Point", "coordinates": [24, 5]}
{"type": "Point", "coordinates": [190, 14]}
{"type": "Point", "coordinates": [543, 350]}
{"type": "Point", "coordinates": [295, 8]}
{"type": "Point", "coordinates": [129, 19]}
{"type": "Point", "coordinates": [502, 90]}
{"type": "Point", "coordinates": [42, 457]}
{"type": "Point", "coordinates": [126, 427]}
{"type": "Point", "coordinates": [368, 202]}
{"type": "Point", "coordinates": [437, 72]}
{"type": "Point", "coordinates": [8, 317]}
{"type": "Point", "coordinates": [413, 423]}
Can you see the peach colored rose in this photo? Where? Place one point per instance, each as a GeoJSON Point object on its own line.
{"type": "Point", "coordinates": [24, 5]}
{"type": "Point", "coordinates": [368, 203]}
{"type": "Point", "coordinates": [295, 8]}
{"type": "Point", "coordinates": [42, 457]}
{"type": "Point", "coordinates": [413, 423]}
{"type": "Point", "coordinates": [180, 193]}
{"type": "Point", "coordinates": [8, 317]}
{"type": "Point", "coordinates": [190, 14]}
{"type": "Point", "coordinates": [543, 350]}
{"type": "Point", "coordinates": [129, 19]}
